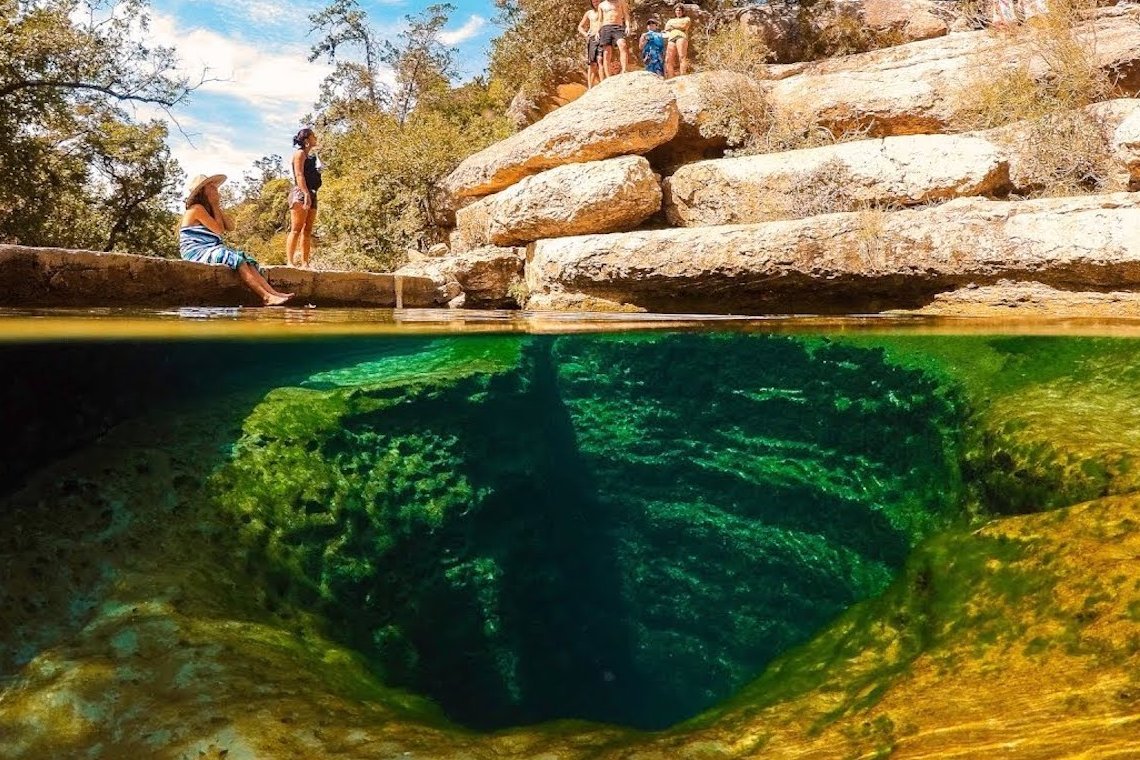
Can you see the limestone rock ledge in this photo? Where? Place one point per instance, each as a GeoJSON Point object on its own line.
{"type": "Point", "coordinates": [628, 114]}
{"type": "Point", "coordinates": [598, 196]}
{"type": "Point", "coordinates": [896, 170]}
{"type": "Point", "coordinates": [910, 89]}
{"type": "Point", "coordinates": [63, 277]}
{"type": "Point", "coordinates": [486, 277]}
{"type": "Point", "coordinates": [851, 262]}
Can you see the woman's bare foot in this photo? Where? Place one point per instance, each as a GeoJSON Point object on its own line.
{"type": "Point", "coordinates": [276, 299]}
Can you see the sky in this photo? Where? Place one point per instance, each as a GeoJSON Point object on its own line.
{"type": "Point", "coordinates": [261, 84]}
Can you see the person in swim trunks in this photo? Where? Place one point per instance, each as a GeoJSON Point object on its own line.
{"type": "Point", "coordinates": [616, 24]}
{"type": "Point", "coordinates": [200, 238]}
{"type": "Point", "coordinates": [302, 200]}
{"type": "Point", "coordinates": [677, 35]}
{"type": "Point", "coordinates": [588, 28]}
{"type": "Point", "coordinates": [653, 48]}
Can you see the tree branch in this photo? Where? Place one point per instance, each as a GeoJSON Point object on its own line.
{"type": "Point", "coordinates": [105, 89]}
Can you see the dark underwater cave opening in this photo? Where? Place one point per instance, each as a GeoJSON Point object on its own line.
{"type": "Point", "coordinates": [624, 530]}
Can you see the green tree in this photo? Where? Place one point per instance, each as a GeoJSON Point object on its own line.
{"type": "Point", "coordinates": [143, 184]}
{"type": "Point", "coordinates": [78, 171]}
{"type": "Point", "coordinates": [260, 211]}
{"type": "Point", "coordinates": [344, 24]}
{"type": "Point", "coordinates": [422, 65]}
{"type": "Point", "coordinates": [385, 158]}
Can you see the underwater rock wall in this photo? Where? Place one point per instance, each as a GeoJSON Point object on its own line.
{"type": "Point", "coordinates": [623, 529]}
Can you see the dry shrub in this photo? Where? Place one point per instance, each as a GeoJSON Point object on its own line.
{"type": "Point", "coordinates": [753, 126]}
{"type": "Point", "coordinates": [1074, 79]}
{"type": "Point", "coordinates": [733, 48]}
{"type": "Point", "coordinates": [1061, 154]}
{"type": "Point", "coordinates": [1062, 150]}
{"type": "Point", "coordinates": [825, 190]}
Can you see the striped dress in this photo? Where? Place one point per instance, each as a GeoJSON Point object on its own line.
{"type": "Point", "coordinates": [198, 243]}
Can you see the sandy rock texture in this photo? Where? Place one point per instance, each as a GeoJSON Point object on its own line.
{"type": "Point", "coordinates": [911, 89]}
{"type": "Point", "coordinates": [911, 20]}
{"type": "Point", "coordinates": [485, 277]}
{"type": "Point", "coordinates": [628, 114]}
{"type": "Point", "coordinates": [63, 277]}
{"type": "Point", "coordinates": [897, 170]}
{"type": "Point", "coordinates": [853, 262]}
{"type": "Point", "coordinates": [598, 196]}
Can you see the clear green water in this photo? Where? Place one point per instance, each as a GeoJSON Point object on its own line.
{"type": "Point", "coordinates": [625, 528]}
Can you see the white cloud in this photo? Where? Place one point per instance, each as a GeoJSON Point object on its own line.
{"type": "Point", "coordinates": [212, 153]}
{"type": "Point", "coordinates": [465, 32]}
{"type": "Point", "coordinates": [281, 83]}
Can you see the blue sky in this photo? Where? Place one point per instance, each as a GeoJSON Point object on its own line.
{"type": "Point", "coordinates": [257, 50]}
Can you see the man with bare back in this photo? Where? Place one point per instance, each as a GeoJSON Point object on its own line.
{"type": "Point", "coordinates": [616, 24]}
{"type": "Point", "coordinates": [588, 27]}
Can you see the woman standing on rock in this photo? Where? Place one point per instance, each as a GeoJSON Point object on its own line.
{"type": "Point", "coordinates": [677, 33]}
{"type": "Point", "coordinates": [200, 238]}
{"type": "Point", "coordinates": [302, 199]}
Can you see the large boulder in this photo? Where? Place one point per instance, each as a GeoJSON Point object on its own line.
{"type": "Point", "coordinates": [915, 88]}
{"type": "Point", "coordinates": [576, 199]}
{"type": "Point", "coordinates": [488, 277]}
{"type": "Point", "coordinates": [853, 262]}
{"type": "Point", "coordinates": [714, 107]}
{"type": "Point", "coordinates": [1023, 157]}
{"type": "Point", "coordinates": [628, 114]}
{"type": "Point", "coordinates": [843, 177]}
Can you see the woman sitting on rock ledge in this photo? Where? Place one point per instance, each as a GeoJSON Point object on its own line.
{"type": "Point", "coordinates": [200, 238]}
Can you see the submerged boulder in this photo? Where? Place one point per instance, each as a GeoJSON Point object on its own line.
{"type": "Point", "coordinates": [853, 262]}
{"type": "Point", "coordinates": [628, 114]}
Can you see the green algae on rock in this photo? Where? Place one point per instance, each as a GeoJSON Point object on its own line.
{"type": "Point", "coordinates": [626, 529]}
{"type": "Point", "coordinates": [621, 529]}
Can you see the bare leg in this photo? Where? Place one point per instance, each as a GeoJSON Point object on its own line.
{"type": "Point", "coordinates": [297, 216]}
{"type": "Point", "coordinates": [683, 55]}
{"type": "Point", "coordinates": [623, 53]}
{"type": "Point", "coordinates": [307, 238]}
{"type": "Point", "coordinates": [258, 284]}
{"type": "Point", "coordinates": [670, 60]}
{"type": "Point", "coordinates": [606, 61]}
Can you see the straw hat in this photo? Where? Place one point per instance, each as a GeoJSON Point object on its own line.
{"type": "Point", "coordinates": [201, 181]}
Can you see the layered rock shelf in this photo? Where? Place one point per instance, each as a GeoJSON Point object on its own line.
{"type": "Point", "coordinates": [60, 277]}
{"type": "Point", "coordinates": [849, 262]}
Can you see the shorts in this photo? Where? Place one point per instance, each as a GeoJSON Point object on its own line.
{"type": "Point", "coordinates": [593, 50]}
{"type": "Point", "coordinates": [297, 196]}
{"type": "Point", "coordinates": [610, 34]}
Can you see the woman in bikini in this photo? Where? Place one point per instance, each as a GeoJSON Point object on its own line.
{"type": "Point", "coordinates": [677, 49]}
{"type": "Point", "coordinates": [200, 238]}
{"type": "Point", "coordinates": [302, 200]}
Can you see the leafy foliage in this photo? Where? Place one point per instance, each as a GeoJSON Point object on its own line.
{"type": "Point", "coordinates": [81, 172]}
{"type": "Point", "coordinates": [392, 126]}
